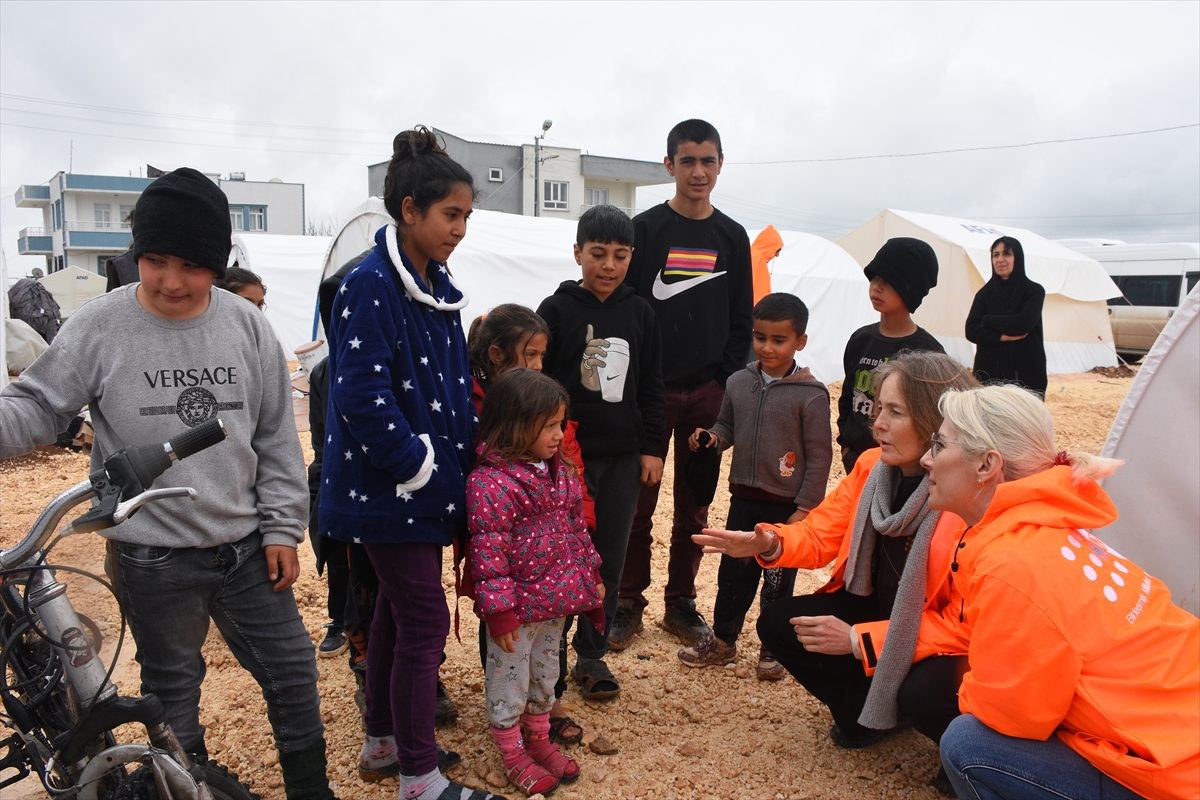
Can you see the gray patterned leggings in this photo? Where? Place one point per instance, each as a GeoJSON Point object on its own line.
{"type": "Point", "coordinates": [523, 681]}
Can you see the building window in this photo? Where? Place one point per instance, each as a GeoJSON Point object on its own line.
{"type": "Point", "coordinates": [495, 174]}
{"type": "Point", "coordinates": [58, 263]}
{"type": "Point", "coordinates": [596, 197]}
{"type": "Point", "coordinates": [57, 214]}
{"type": "Point", "coordinates": [555, 195]}
{"type": "Point", "coordinates": [101, 263]}
{"type": "Point", "coordinates": [126, 216]}
{"type": "Point", "coordinates": [235, 218]}
{"type": "Point", "coordinates": [103, 215]}
{"type": "Point", "coordinates": [257, 219]}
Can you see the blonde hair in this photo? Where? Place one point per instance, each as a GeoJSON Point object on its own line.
{"type": "Point", "coordinates": [1017, 425]}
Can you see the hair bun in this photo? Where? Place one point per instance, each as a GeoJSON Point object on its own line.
{"type": "Point", "coordinates": [416, 142]}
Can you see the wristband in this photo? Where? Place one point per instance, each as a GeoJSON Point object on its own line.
{"type": "Point", "coordinates": [773, 552]}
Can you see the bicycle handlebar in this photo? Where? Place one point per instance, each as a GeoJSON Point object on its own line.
{"type": "Point", "coordinates": [130, 473]}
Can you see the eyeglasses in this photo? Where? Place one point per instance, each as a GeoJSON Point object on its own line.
{"type": "Point", "coordinates": [937, 445]}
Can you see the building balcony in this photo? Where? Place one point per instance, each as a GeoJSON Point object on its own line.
{"type": "Point", "coordinates": [35, 242]}
{"type": "Point", "coordinates": [97, 235]}
{"type": "Point", "coordinates": [630, 212]}
{"type": "Point", "coordinates": [29, 196]}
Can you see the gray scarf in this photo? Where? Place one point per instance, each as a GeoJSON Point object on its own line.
{"type": "Point", "coordinates": [874, 518]}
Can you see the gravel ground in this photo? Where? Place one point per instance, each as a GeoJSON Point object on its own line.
{"type": "Point", "coordinates": [679, 733]}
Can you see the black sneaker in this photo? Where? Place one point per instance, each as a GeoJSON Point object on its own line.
{"type": "Point", "coordinates": [445, 712]}
{"type": "Point", "coordinates": [334, 642]}
{"type": "Point", "coordinates": [686, 624]}
{"type": "Point", "coordinates": [862, 737]}
{"type": "Point", "coordinates": [626, 624]}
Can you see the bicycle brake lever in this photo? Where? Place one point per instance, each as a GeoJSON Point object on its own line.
{"type": "Point", "coordinates": [125, 510]}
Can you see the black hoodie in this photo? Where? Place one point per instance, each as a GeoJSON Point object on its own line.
{"type": "Point", "coordinates": [622, 411]}
{"type": "Point", "coordinates": [1009, 307]}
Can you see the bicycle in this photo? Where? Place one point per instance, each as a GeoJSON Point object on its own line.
{"type": "Point", "coordinates": [57, 693]}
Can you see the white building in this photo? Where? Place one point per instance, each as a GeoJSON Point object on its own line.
{"type": "Point", "coordinates": [85, 218]}
{"type": "Point", "coordinates": [572, 181]}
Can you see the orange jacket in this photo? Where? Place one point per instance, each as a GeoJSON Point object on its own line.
{"type": "Point", "coordinates": [766, 245]}
{"type": "Point", "coordinates": [1069, 637]}
{"type": "Point", "coordinates": [824, 536]}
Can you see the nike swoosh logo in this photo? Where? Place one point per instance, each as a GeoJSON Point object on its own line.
{"type": "Point", "coordinates": [665, 291]}
{"type": "Point", "coordinates": [611, 377]}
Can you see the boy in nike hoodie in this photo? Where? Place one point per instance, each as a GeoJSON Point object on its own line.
{"type": "Point", "coordinates": [606, 350]}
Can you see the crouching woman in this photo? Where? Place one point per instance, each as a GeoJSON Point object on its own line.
{"type": "Point", "coordinates": [1084, 677]}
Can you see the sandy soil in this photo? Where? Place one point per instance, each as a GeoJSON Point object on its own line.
{"type": "Point", "coordinates": [715, 733]}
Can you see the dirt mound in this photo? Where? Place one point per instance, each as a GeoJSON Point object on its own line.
{"type": "Point", "coordinates": [1121, 371]}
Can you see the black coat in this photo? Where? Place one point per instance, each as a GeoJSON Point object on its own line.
{"type": "Point", "coordinates": [1009, 307]}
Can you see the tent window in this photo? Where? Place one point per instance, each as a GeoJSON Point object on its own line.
{"type": "Point", "coordinates": [235, 218]}
{"type": "Point", "coordinates": [495, 174]}
{"type": "Point", "coordinates": [596, 197]}
{"type": "Point", "coordinates": [257, 219]}
{"type": "Point", "coordinates": [103, 215]}
{"type": "Point", "coordinates": [555, 195]}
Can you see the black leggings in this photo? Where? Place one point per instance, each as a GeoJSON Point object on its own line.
{"type": "Point", "coordinates": [928, 698]}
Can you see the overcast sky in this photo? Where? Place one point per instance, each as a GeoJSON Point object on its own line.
{"type": "Point", "coordinates": [314, 92]}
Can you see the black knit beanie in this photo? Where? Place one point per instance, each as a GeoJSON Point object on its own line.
{"type": "Point", "coordinates": [909, 265]}
{"type": "Point", "coordinates": [184, 214]}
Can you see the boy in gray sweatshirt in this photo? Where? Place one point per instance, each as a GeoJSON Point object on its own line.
{"type": "Point", "coordinates": [151, 360]}
{"type": "Point", "coordinates": [775, 415]}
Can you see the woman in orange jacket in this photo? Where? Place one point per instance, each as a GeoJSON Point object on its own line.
{"type": "Point", "coordinates": [891, 572]}
{"type": "Point", "coordinates": [1084, 677]}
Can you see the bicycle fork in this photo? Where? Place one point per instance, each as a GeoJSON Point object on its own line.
{"type": "Point", "coordinates": [85, 670]}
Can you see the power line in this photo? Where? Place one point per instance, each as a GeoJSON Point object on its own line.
{"type": "Point", "coordinates": [969, 149]}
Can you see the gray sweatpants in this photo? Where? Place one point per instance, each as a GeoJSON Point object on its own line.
{"type": "Point", "coordinates": [523, 681]}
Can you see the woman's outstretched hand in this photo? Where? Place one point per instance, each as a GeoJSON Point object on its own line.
{"type": "Point", "coordinates": [739, 544]}
{"type": "Point", "coordinates": [828, 635]}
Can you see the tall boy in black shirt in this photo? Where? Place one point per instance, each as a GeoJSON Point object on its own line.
{"type": "Point", "coordinates": [692, 264]}
{"type": "Point", "coordinates": [901, 274]}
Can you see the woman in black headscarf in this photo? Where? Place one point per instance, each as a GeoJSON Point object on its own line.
{"type": "Point", "coordinates": [1005, 322]}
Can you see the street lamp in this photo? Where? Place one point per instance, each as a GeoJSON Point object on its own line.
{"type": "Point", "coordinates": [537, 168]}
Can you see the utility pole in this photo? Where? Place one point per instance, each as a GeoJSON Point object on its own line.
{"type": "Point", "coordinates": [537, 168]}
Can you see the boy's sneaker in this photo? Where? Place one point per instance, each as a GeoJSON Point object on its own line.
{"type": "Point", "coordinates": [769, 669]}
{"type": "Point", "coordinates": [710, 652]}
{"type": "Point", "coordinates": [334, 642]}
{"type": "Point", "coordinates": [626, 625]}
{"type": "Point", "coordinates": [686, 624]}
{"type": "Point", "coordinates": [445, 712]}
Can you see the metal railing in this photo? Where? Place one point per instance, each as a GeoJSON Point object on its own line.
{"type": "Point", "coordinates": [90, 225]}
{"type": "Point", "coordinates": [631, 212]}
{"type": "Point", "coordinates": [27, 232]}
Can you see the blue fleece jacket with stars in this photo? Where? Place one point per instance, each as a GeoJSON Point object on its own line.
{"type": "Point", "coordinates": [400, 419]}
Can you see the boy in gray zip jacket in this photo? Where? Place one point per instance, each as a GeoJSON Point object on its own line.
{"type": "Point", "coordinates": [775, 415]}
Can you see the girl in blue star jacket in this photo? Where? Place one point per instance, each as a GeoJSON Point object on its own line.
{"type": "Point", "coordinates": [398, 446]}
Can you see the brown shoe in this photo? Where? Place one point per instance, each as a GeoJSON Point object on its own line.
{"type": "Point", "coordinates": [626, 625]}
{"type": "Point", "coordinates": [711, 652]}
{"type": "Point", "coordinates": [768, 668]}
{"type": "Point", "coordinates": [686, 624]}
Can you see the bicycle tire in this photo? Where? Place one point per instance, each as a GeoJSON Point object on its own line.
{"type": "Point", "coordinates": [223, 784]}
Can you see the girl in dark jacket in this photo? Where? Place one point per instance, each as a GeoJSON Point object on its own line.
{"type": "Point", "coordinates": [1005, 322]}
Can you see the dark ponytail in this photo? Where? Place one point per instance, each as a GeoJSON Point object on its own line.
{"type": "Point", "coordinates": [420, 169]}
{"type": "Point", "coordinates": [507, 326]}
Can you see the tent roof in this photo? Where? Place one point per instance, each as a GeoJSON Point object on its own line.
{"type": "Point", "coordinates": [832, 285]}
{"type": "Point", "coordinates": [73, 286]}
{"type": "Point", "coordinates": [290, 268]}
{"type": "Point", "coordinates": [1059, 269]}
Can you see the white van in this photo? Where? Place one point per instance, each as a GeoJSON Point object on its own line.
{"type": "Point", "coordinates": [1153, 279]}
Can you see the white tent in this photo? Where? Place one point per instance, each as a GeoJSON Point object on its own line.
{"type": "Point", "coordinates": [1075, 322]}
{"type": "Point", "coordinates": [833, 287]}
{"type": "Point", "coordinates": [3, 319]}
{"type": "Point", "coordinates": [504, 258]}
{"type": "Point", "coordinates": [72, 287]}
{"type": "Point", "coordinates": [1157, 433]}
{"type": "Point", "coordinates": [290, 268]}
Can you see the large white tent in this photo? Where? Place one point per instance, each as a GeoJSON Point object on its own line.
{"type": "Point", "coordinates": [1157, 433]}
{"type": "Point", "coordinates": [1075, 322]}
{"type": "Point", "coordinates": [507, 258]}
{"type": "Point", "coordinates": [290, 268]}
{"type": "Point", "coordinates": [72, 287]}
{"type": "Point", "coordinates": [833, 287]}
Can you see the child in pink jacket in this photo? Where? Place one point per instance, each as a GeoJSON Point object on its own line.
{"type": "Point", "coordinates": [533, 564]}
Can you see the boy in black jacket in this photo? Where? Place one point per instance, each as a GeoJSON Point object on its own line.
{"type": "Point", "coordinates": [605, 349]}
{"type": "Point", "coordinates": [901, 274]}
{"type": "Point", "coordinates": [692, 264]}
